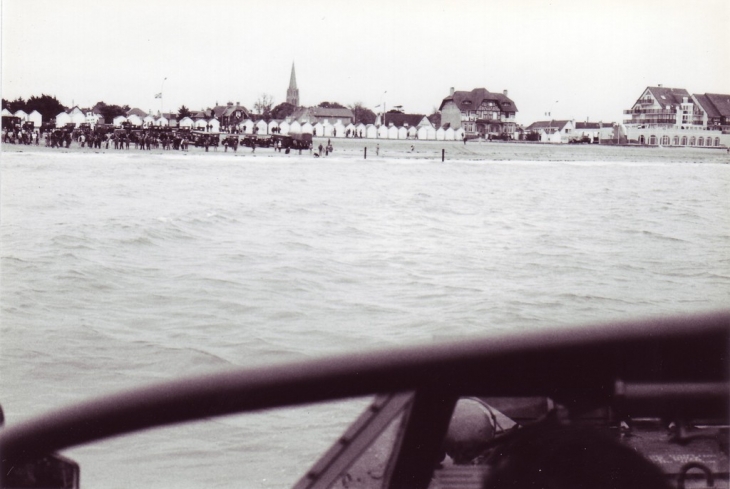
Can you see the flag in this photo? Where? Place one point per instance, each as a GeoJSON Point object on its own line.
{"type": "Point", "coordinates": [159, 95]}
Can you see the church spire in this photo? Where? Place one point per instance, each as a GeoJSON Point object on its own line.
{"type": "Point", "coordinates": [292, 94]}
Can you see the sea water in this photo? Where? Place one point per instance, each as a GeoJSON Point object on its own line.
{"type": "Point", "coordinates": [123, 269]}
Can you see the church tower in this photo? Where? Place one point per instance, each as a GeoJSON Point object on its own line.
{"type": "Point", "coordinates": [292, 95]}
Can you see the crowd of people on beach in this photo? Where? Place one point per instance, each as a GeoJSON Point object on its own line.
{"type": "Point", "coordinates": [121, 139]}
{"type": "Point", "coordinates": [21, 136]}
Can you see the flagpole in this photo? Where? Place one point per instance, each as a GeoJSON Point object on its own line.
{"type": "Point", "coordinates": [162, 100]}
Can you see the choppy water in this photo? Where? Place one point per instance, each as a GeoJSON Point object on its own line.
{"type": "Point", "coordinates": [123, 269]}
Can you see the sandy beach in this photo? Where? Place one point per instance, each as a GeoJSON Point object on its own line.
{"type": "Point", "coordinates": [354, 149]}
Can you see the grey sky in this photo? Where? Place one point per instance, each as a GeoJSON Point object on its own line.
{"type": "Point", "coordinates": [572, 58]}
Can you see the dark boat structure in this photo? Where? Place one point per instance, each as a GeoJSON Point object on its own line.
{"type": "Point", "coordinates": [623, 404]}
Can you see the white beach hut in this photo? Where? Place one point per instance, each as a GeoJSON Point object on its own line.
{"type": "Point", "coordinates": [246, 126]}
{"type": "Point", "coordinates": [162, 121]}
{"type": "Point", "coordinates": [449, 134]}
{"type": "Point", "coordinates": [36, 118]}
{"type": "Point", "coordinates": [215, 125]}
{"type": "Point", "coordinates": [22, 115]}
{"type": "Point", "coordinates": [392, 132]}
{"type": "Point", "coordinates": [351, 128]}
{"type": "Point", "coordinates": [371, 131]}
{"type": "Point", "coordinates": [284, 127]}
{"type": "Point", "coordinates": [186, 123]}
{"type": "Point", "coordinates": [423, 133]}
{"type": "Point", "coordinates": [339, 130]}
{"type": "Point", "coordinates": [261, 127]}
{"type": "Point", "coordinates": [148, 121]}
{"type": "Point", "coordinates": [63, 118]}
{"type": "Point", "coordinates": [77, 117]}
{"type": "Point", "coordinates": [328, 129]}
{"type": "Point", "coordinates": [459, 134]}
{"type": "Point", "coordinates": [7, 113]}
{"type": "Point", "coordinates": [361, 130]}
{"type": "Point", "coordinates": [440, 134]}
{"type": "Point", "coordinates": [412, 132]}
{"type": "Point", "coordinates": [307, 128]}
{"type": "Point", "coordinates": [318, 129]}
{"type": "Point", "coordinates": [402, 132]}
{"type": "Point", "coordinates": [117, 122]}
{"type": "Point", "coordinates": [135, 120]}
{"type": "Point", "coordinates": [201, 124]}
{"type": "Point", "coordinates": [272, 126]}
{"type": "Point", "coordinates": [383, 132]}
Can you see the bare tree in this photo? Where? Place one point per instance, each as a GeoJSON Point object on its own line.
{"type": "Point", "coordinates": [263, 105]}
{"type": "Point", "coordinates": [362, 114]}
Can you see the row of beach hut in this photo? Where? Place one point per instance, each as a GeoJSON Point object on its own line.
{"type": "Point", "coordinates": [34, 116]}
{"type": "Point", "coordinates": [425, 130]}
{"type": "Point", "coordinates": [336, 130]}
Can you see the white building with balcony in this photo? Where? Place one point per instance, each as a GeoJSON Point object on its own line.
{"type": "Point", "coordinates": [664, 116]}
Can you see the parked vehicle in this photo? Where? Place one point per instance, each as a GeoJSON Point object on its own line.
{"type": "Point", "coordinates": [259, 141]}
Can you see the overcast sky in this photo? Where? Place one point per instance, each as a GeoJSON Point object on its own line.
{"type": "Point", "coordinates": [575, 59]}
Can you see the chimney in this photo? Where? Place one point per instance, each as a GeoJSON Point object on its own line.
{"type": "Point", "coordinates": [684, 100]}
{"type": "Point", "coordinates": [451, 92]}
{"type": "Point", "coordinates": [505, 93]}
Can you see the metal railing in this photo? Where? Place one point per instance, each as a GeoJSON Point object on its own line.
{"type": "Point", "coordinates": [651, 111]}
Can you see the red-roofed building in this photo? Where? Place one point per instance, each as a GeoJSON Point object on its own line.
{"type": "Point", "coordinates": [665, 116]}
{"type": "Point", "coordinates": [138, 112]}
{"type": "Point", "coordinates": [313, 115]}
{"type": "Point", "coordinates": [553, 131]}
{"type": "Point", "coordinates": [230, 114]}
{"type": "Point", "coordinates": [596, 131]}
{"type": "Point", "coordinates": [662, 107]}
{"type": "Point", "coordinates": [479, 112]}
{"type": "Point", "coordinates": [717, 108]}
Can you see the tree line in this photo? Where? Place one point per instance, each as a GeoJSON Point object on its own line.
{"type": "Point", "coordinates": [49, 107]}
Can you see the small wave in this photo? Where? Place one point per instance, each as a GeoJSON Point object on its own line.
{"type": "Point", "coordinates": [139, 240]}
{"type": "Point", "coordinates": [662, 236]}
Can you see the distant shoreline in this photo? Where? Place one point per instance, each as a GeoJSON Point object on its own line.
{"type": "Point", "coordinates": [354, 149]}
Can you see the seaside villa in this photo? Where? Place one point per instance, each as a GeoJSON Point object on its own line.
{"type": "Point", "coordinates": [479, 112]}
{"type": "Point", "coordinates": [664, 116]}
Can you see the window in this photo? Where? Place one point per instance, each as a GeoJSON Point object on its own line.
{"type": "Point", "coordinates": [652, 139]}
{"type": "Point", "coordinates": [692, 141]}
{"type": "Point", "coordinates": [676, 140]}
{"type": "Point", "coordinates": [717, 141]}
{"type": "Point", "coordinates": [665, 140]}
{"type": "Point", "coordinates": [684, 140]}
{"type": "Point", "coordinates": [701, 141]}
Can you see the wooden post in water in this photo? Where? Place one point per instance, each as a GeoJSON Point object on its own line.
{"type": "Point", "coordinates": [443, 154]}
{"type": "Point", "coordinates": [366, 152]}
